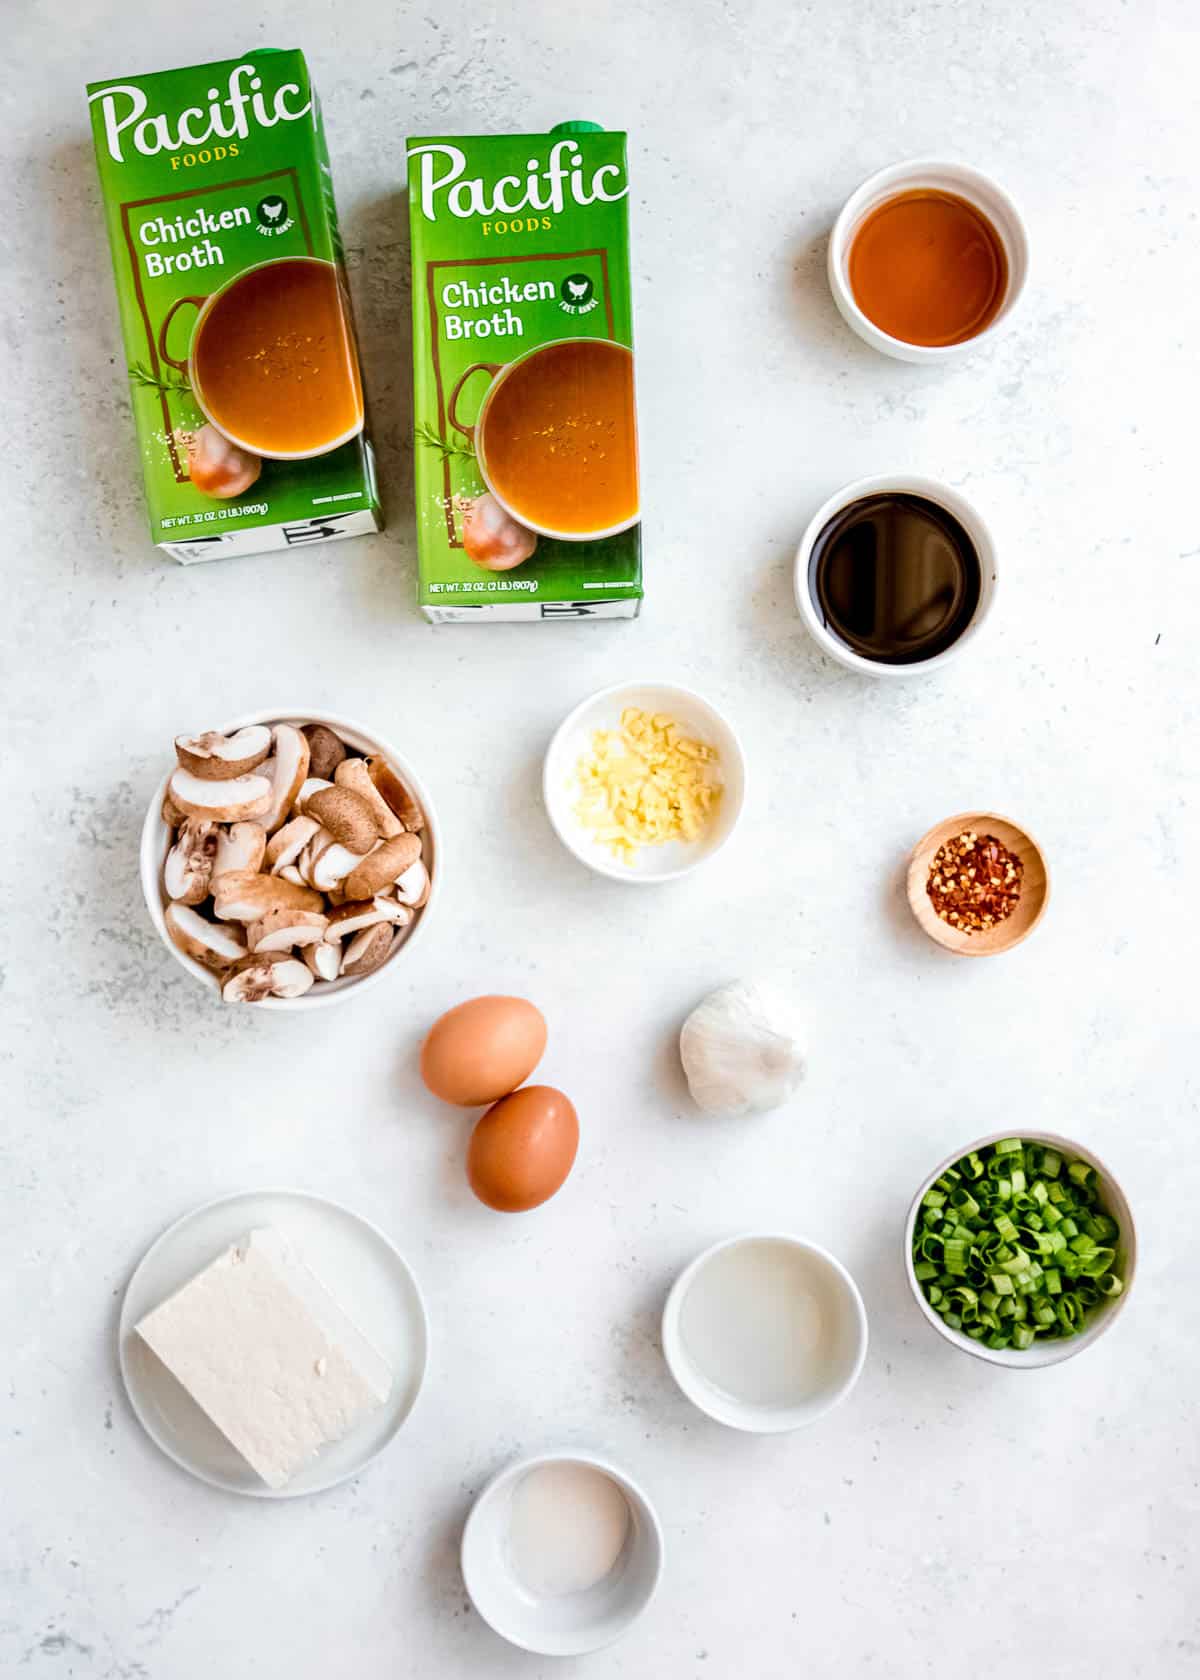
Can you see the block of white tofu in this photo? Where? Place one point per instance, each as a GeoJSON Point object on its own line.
{"type": "Point", "coordinates": [265, 1350]}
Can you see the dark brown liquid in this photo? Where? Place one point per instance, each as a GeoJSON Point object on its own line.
{"type": "Point", "coordinates": [896, 578]}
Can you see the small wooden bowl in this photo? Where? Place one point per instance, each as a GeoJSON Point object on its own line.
{"type": "Point", "coordinates": [1035, 885]}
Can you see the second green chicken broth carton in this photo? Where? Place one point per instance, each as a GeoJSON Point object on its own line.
{"type": "Point", "coordinates": [525, 426]}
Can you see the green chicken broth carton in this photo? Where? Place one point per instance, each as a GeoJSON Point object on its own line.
{"type": "Point", "coordinates": [525, 430]}
{"type": "Point", "coordinates": [241, 354]}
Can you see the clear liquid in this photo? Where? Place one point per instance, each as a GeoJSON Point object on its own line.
{"type": "Point", "coordinates": [761, 1323]}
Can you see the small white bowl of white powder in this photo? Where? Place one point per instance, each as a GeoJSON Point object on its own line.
{"type": "Point", "coordinates": [561, 1553]}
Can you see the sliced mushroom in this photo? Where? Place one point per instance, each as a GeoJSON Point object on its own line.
{"type": "Point", "coordinates": [412, 887]}
{"type": "Point", "coordinates": [331, 868]}
{"type": "Point", "coordinates": [347, 816]}
{"type": "Point", "coordinates": [219, 758]}
{"type": "Point", "coordinates": [310, 785]}
{"type": "Point", "coordinates": [237, 800]}
{"type": "Point", "coordinates": [311, 851]}
{"type": "Point", "coordinates": [288, 842]}
{"type": "Point", "coordinates": [241, 846]}
{"type": "Point", "coordinates": [171, 814]}
{"type": "Point", "coordinates": [367, 950]}
{"type": "Point", "coordinates": [326, 750]}
{"type": "Point", "coordinates": [189, 865]}
{"type": "Point", "coordinates": [353, 774]}
{"type": "Point", "coordinates": [364, 913]}
{"type": "Point", "coordinates": [400, 915]}
{"type": "Point", "coordinates": [206, 942]}
{"type": "Point", "coordinates": [383, 866]}
{"type": "Point", "coordinates": [243, 897]}
{"type": "Point", "coordinates": [289, 872]}
{"type": "Point", "coordinates": [283, 930]}
{"type": "Point", "coordinates": [264, 975]}
{"type": "Point", "coordinates": [289, 771]}
{"type": "Point", "coordinates": [396, 794]}
{"type": "Point", "coordinates": [324, 959]}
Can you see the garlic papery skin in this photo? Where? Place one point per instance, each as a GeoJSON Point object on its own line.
{"type": "Point", "coordinates": [741, 1050]}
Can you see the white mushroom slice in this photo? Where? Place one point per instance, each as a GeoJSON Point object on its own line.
{"type": "Point", "coordinates": [283, 930]}
{"type": "Point", "coordinates": [412, 887]}
{"type": "Point", "coordinates": [189, 864]}
{"type": "Point", "coordinates": [243, 897]}
{"type": "Point", "coordinates": [364, 913]}
{"type": "Point", "coordinates": [352, 773]}
{"type": "Point", "coordinates": [206, 942]}
{"type": "Point", "coordinates": [346, 815]}
{"type": "Point", "coordinates": [396, 794]}
{"type": "Point", "coordinates": [288, 842]}
{"type": "Point", "coordinates": [384, 865]}
{"type": "Point", "coordinates": [289, 770]}
{"type": "Point", "coordinates": [325, 960]}
{"type": "Point", "coordinates": [265, 975]}
{"type": "Point", "coordinates": [311, 785]}
{"type": "Point", "coordinates": [219, 758]}
{"type": "Point", "coordinates": [367, 950]}
{"type": "Point", "coordinates": [241, 846]}
{"type": "Point", "coordinates": [326, 750]}
{"type": "Point", "coordinates": [311, 851]}
{"type": "Point", "coordinates": [238, 800]}
{"type": "Point", "coordinates": [398, 914]}
{"type": "Point", "coordinates": [289, 872]}
{"type": "Point", "coordinates": [333, 865]}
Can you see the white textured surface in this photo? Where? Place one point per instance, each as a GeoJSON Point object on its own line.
{"type": "Point", "coordinates": [947, 1513]}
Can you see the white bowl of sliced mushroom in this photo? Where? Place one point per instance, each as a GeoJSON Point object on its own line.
{"type": "Point", "coordinates": [288, 858]}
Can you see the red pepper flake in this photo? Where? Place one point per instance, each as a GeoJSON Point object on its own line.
{"type": "Point", "coordinates": [974, 882]}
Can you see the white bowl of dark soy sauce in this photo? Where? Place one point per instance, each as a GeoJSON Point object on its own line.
{"type": "Point", "coordinates": [894, 575]}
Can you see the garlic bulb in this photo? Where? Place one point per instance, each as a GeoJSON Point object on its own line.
{"type": "Point", "coordinates": [741, 1051]}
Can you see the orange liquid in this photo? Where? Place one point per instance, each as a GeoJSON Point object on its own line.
{"type": "Point", "coordinates": [275, 362]}
{"type": "Point", "coordinates": [928, 268]}
{"type": "Point", "coordinates": [560, 437]}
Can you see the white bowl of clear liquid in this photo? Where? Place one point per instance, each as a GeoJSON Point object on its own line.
{"type": "Point", "coordinates": [562, 1552]}
{"type": "Point", "coordinates": [765, 1332]}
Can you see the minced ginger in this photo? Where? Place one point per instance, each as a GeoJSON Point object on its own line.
{"type": "Point", "coordinates": [646, 783]}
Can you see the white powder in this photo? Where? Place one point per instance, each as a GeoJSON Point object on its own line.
{"type": "Point", "coordinates": [567, 1529]}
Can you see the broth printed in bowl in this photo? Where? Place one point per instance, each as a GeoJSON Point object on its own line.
{"type": "Point", "coordinates": [558, 438]}
{"type": "Point", "coordinates": [274, 362]}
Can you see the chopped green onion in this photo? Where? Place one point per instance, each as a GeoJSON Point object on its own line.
{"type": "Point", "coordinates": [1025, 1253]}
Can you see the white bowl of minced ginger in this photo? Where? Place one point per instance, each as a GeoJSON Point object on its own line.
{"type": "Point", "coordinates": [644, 781]}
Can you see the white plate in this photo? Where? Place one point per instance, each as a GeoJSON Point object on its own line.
{"type": "Point", "coordinates": [362, 1271]}
{"type": "Point", "coordinates": [572, 741]}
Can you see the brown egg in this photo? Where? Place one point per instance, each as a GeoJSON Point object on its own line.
{"type": "Point", "coordinates": [523, 1148]}
{"type": "Point", "coordinates": [482, 1050]}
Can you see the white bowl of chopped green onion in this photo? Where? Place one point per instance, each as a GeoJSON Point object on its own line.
{"type": "Point", "coordinates": [1021, 1250]}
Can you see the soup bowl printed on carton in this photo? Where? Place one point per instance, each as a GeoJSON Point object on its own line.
{"type": "Point", "coordinates": [555, 438]}
{"type": "Point", "coordinates": [253, 365]}
{"type": "Point", "coordinates": [526, 433]}
{"type": "Point", "coordinates": [239, 340]}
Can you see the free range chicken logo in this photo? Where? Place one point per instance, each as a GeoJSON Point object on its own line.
{"type": "Point", "coordinates": [577, 295]}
